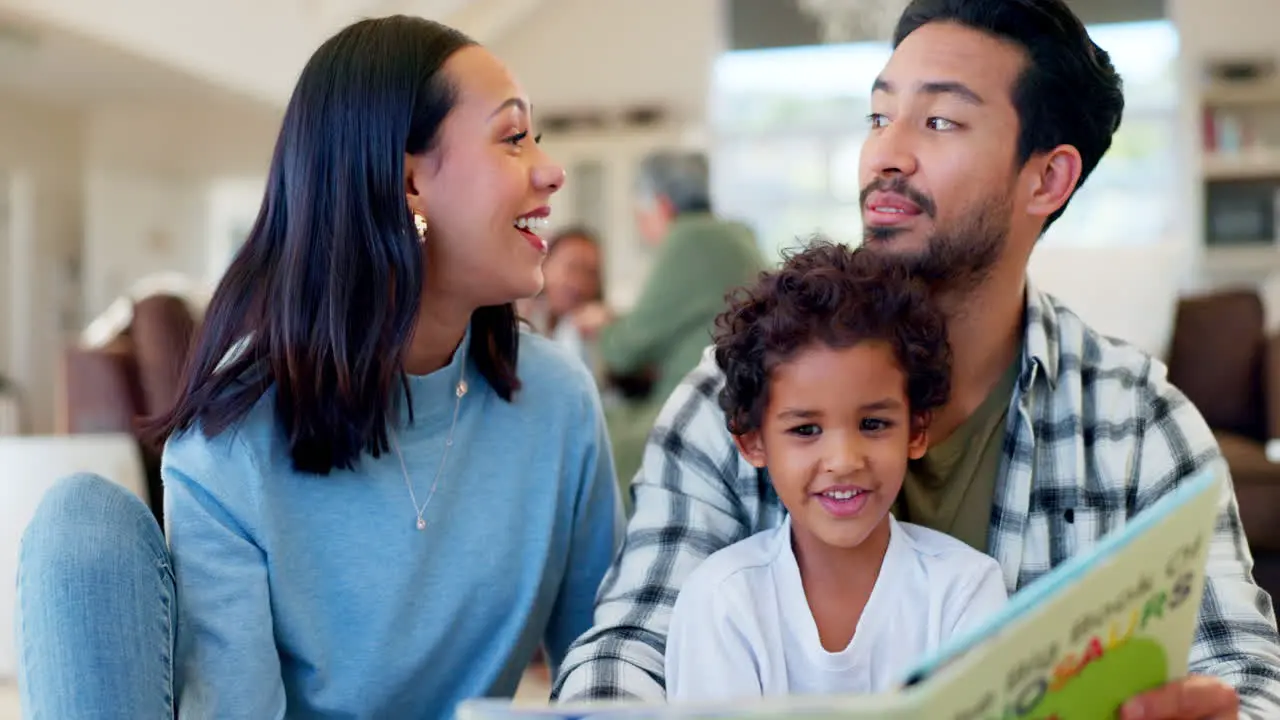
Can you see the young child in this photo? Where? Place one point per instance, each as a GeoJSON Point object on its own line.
{"type": "Point", "coordinates": [833, 365]}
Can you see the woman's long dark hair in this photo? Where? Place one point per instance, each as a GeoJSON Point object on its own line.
{"type": "Point", "coordinates": [321, 300]}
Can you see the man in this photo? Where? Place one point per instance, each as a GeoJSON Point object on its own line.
{"type": "Point", "coordinates": [988, 116]}
{"type": "Point", "coordinates": [700, 259]}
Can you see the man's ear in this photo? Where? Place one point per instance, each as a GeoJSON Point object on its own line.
{"type": "Point", "coordinates": [751, 445]}
{"type": "Point", "coordinates": [1057, 177]}
{"type": "Point", "coordinates": [668, 207]}
{"type": "Point", "coordinates": [919, 442]}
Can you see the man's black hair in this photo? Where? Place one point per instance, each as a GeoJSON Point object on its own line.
{"type": "Point", "coordinates": [1068, 94]}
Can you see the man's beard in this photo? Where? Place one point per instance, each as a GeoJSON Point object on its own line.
{"type": "Point", "coordinates": [957, 259]}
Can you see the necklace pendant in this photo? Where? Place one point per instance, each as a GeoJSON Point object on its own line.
{"type": "Point", "coordinates": [461, 389]}
{"type": "Point", "coordinates": [422, 524]}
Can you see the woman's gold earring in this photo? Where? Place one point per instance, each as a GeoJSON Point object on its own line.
{"type": "Point", "coordinates": [420, 223]}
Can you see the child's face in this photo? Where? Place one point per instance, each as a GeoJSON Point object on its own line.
{"type": "Point", "coordinates": [836, 437]}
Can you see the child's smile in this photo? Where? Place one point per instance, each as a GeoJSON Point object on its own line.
{"type": "Point", "coordinates": [843, 500]}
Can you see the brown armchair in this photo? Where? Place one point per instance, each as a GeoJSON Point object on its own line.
{"type": "Point", "coordinates": [106, 389]}
{"type": "Point", "coordinates": [1223, 360]}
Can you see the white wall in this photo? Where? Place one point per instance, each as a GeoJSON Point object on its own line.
{"type": "Point", "coordinates": [1128, 293]}
{"type": "Point", "coordinates": [120, 192]}
{"type": "Point", "coordinates": [150, 174]}
{"type": "Point", "coordinates": [44, 142]}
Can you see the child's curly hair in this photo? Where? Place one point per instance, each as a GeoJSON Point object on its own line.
{"type": "Point", "coordinates": [837, 296]}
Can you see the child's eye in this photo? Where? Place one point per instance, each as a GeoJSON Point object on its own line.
{"type": "Point", "coordinates": [808, 430]}
{"type": "Point", "coordinates": [517, 138]}
{"type": "Point", "coordinates": [875, 425]}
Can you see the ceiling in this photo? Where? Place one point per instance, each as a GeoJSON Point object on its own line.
{"type": "Point", "coordinates": [54, 65]}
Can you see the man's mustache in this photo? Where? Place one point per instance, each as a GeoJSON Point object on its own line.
{"type": "Point", "coordinates": [898, 186]}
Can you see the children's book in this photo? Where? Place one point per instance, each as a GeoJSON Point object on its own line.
{"type": "Point", "coordinates": [1074, 645]}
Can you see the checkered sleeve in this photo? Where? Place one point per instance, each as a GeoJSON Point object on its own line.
{"type": "Point", "coordinates": [687, 506]}
{"type": "Point", "coordinates": [1236, 639]}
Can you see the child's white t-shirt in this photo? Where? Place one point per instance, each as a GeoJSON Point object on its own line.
{"type": "Point", "coordinates": [742, 626]}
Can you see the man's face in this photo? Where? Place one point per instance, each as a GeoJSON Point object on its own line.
{"type": "Point", "coordinates": [938, 171]}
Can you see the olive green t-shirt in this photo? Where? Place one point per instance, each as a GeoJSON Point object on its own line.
{"type": "Point", "coordinates": [951, 489]}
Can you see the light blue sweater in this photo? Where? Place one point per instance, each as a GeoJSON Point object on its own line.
{"type": "Point", "coordinates": [317, 597]}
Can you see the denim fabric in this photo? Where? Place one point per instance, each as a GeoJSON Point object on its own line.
{"type": "Point", "coordinates": [96, 612]}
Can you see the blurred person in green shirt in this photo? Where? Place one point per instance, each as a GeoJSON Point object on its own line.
{"type": "Point", "coordinates": [701, 258]}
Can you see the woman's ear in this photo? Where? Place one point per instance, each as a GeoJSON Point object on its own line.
{"type": "Point", "coordinates": [412, 183]}
{"type": "Point", "coordinates": [919, 442]}
{"type": "Point", "coordinates": [751, 445]}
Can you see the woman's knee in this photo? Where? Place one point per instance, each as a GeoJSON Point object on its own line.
{"type": "Point", "coordinates": [95, 612]}
{"type": "Point", "coordinates": [86, 522]}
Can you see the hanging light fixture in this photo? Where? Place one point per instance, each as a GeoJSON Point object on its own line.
{"type": "Point", "coordinates": [846, 21]}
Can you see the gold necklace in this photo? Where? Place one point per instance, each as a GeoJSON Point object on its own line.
{"type": "Point", "coordinates": [459, 390]}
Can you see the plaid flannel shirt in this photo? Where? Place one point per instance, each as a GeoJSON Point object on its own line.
{"type": "Point", "coordinates": [1096, 433]}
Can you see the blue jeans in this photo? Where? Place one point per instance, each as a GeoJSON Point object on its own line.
{"type": "Point", "coordinates": [97, 609]}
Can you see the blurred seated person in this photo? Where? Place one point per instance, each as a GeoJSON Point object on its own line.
{"type": "Point", "coordinates": [571, 279]}
{"type": "Point", "coordinates": [700, 259]}
{"type": "Point", "coordinates": [117, 318]}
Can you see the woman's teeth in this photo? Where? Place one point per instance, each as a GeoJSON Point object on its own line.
{"type": "Point", "coordinates": [532, 223]}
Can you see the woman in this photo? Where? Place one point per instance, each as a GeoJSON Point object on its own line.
{"type": "Point", "coordinates": [572, 272]}
{"type": "Point", "coordinates": [380, 497]}
{"type": "Point", "coordinates": [573, 278]}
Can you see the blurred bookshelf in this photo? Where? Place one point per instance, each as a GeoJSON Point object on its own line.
{"type": "Point", "coordinates": [1240, 167]}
